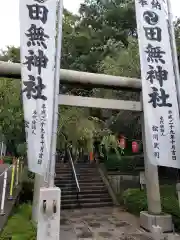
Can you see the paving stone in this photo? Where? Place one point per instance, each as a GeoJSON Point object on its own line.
{"type": "Point", "coordinates": [105, 234]}
{"type": "Point", "coordinates": [64, 221]}
{"type": "Point", "coordinates": [85, 235]}
{"type": "Point", "coordinates": [142, 236]}
{"type": "Point", "coordinates": [67, 235]}
{"type": "Point", "coordinates": [109, 222]}
{"type": "Point", "coordinates": [76, 220]}
{"type": "Point", "coordinates": [122, 224]}
{"type": "Point", "coordinates": [95, 224]}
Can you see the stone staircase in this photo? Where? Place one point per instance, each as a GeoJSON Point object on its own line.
{"type": "Point", "coordinates": [93, 192]}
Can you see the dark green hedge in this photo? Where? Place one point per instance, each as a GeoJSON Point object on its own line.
{"type": "Point", "coordinates": [124, 165]}
{"type": "Point", "coordinates": [135, 201]}
{"type": "Point", "coordinates": [8, 159]}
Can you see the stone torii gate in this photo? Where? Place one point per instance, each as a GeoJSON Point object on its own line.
{"type": "Point", "coordinates": [12, 70]}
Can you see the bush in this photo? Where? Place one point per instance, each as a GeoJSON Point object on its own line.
{"type": "Point", "coordinates": [8, 159]}
{"type": "Point", "coordinates": [135, 201]}
{"type": "Point", "coordinates": [19, 226]}
{"type": "Point", "coordinates": [26, 194]}
{"type": "Point", "coordinates": [124, 164]}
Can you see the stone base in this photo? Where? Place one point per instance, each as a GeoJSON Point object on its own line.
{"type": "Point", "coordinates": [164, 221]}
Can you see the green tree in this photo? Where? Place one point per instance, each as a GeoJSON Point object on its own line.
{"type": "Point", "coordinates": [11, 54]}
{"type": "Point", "coordinates": [88, 38]}
{"type": "Point", "coordinates": [124, 63]}
{"type": "Point", "coordinates": [11, 113]}
{"type": "Point", "coordinates": [177, 35]}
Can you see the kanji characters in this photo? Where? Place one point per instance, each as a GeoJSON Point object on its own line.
{"type": "Point", "coordinates": [155, 137]}
{"type": "Point", "coordinates": [162, 128]}
{"type": "Point", "coordinates": [34, 122]}
{"type": "Point", "coordinates": [153, 33]}
{"type": "Point", "coordinates": [26, 123]}
{"type": "Point", "coordinates": [159, 99]}
{"type": "Point", "coordinates": [156, 145]}
{"type": "Point", "coordinates": [154, 54]}
{"type": "Point", "coordinates": [143, 2]}
{"type": "Point", "coordinates": [155, 4]}
{"type": "Point", "coordinates": [155, 128]}
{"type": "Point", "coordinates": [36, 36]}
{"type": "Point", "coordinates": [157, 73]}
{"type": "Point", "coordinates": [40, 61]}
{"type": "Point", "coordinates": [38, 12]}
{"type": "Point", "coordinates": [43, 120]}
{"type": "Point", "coordinates": [34, 90]}
{"type": "Point", "coordinates": [156, 154]}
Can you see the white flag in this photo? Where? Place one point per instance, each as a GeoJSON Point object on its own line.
{"type": "Point", "coordinates": [38, 33]}
{"type": "Point", "coordinates": [161, 114]}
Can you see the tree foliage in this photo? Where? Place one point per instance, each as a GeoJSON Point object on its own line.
{"type": "Point", "coordinates": [87, 40]}
{"type": "Point", "coordinates": [11, 54]}
{"type": "Point", "coordinates": [11, 114]}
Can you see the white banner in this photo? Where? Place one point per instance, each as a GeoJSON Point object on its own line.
{"type": "Point", "coordinates": [161, 114]}
{"type": "Point", "coordinates": [38, 32]}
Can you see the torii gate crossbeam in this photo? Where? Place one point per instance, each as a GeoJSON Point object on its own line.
{"type": "Point", "coordinates": [13, 70]}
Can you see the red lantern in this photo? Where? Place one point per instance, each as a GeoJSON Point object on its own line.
{"type": "Point", "coordinates": [135, 147]}
{"type": "Point", "coordinates": [122, 142]}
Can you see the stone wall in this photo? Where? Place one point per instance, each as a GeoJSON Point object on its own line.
{"type": "Point", "coordinates": [120, 183]}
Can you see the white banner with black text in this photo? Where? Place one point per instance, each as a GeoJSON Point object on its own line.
{"type": "Point", "coordinates": [37, 35]}
{"type": "Point", "coordinates": [161, 114]}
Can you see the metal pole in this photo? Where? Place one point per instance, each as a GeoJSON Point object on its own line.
{"type": "Point", "coordinates": [1, 148]}
{"type": "Point", "coordinates": [3, 193]}
{"type": "Point", "coordinates": [12, 182]}
{"type": "Point", "coordinates": [17, 172]}
{"type": "Point", "coordinates": [56, 93]}
{"type": "Point", "coordinates": [174, 50]}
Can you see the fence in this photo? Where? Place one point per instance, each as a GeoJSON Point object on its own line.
{"type": "Point", "coordinates": [10, 182]}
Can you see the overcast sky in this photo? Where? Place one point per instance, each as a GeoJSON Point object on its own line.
{"type": "Point", "coordinates": [9, 19]}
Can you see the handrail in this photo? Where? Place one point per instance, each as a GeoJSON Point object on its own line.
{"type": "Point", "coordinates": [74, 171]}
{"type": "Point", "coordinates": [7, 169]}
{"type": "Point", "coordinates": [15, 179]}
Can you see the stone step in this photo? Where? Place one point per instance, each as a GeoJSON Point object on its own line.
{"type": "Point", "coordinates": [80, 181]}
{"type": "Point", "coordinates": [80, 178]}
{"type": "Point", "coordinates": [84, 192]}
{"type": "Point", "coordinates": [87, 205]}
{"type": "Point", "coordinates": [87, 165]}
{"type": "Point", "coordinates": [85, 196]}
{"type": "Point", "coordinates": [93, 191]}
{"type": "Point", "coordinates": [82, 185]}
{"type": "Point", "coordinates": [60, 172]}
{"type": "Point", "coordinates": [64, 175]}
{"type": "Point", "coordinates": [86, 200]}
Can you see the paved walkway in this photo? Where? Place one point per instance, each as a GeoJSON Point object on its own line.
{"type": "Point", "coordinates": [99, 224]}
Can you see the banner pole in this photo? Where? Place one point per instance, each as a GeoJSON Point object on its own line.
{"type": "Point", "coordinates": [56, 93]}
{"type": "Point", "coordinates": [174, 50]}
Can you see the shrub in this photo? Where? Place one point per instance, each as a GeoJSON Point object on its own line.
{"type": "Point", "coordinates": [135, 201]}
{"type": "Point", "coordinates": [21, 149]}
{"type": "Point", "coordinates": [8, 159]}
{"type": "Point", "coordinates": [26, 194]}
{"type": "Point", "coordinates": [124, 164]}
